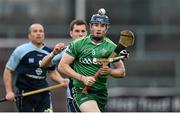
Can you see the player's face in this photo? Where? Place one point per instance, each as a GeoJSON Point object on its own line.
{"type": "Point", "coordinates": [98, 29]}
{"type": "Point", "coordinates": [78, 31]}
{"type": "Point", "coordinates": [36, 34]}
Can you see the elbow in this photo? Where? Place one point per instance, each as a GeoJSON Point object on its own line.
{"type": "Point", "coordinates": [121, 74]}
{"type": "Point", "coordinates": [61, 68]}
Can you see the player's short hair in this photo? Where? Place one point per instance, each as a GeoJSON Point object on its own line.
{"type": "Point", "coordinates": [30, 27]}
{"type": "Point", "coordinates": [77, 22]}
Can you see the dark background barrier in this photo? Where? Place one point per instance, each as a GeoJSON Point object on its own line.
{"type": "Point", "coordinates": [143, 100]}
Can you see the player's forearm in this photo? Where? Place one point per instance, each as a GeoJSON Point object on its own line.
{"type": "Point", "coordinates": [46, 61]}
{"type": "Point", "coordinates": [56, 76]}
{"type": "Point", "coordinates": [118, 70]}
{"type": "Point", "coordinates": [117, 73]}
{"type": "Point", "coordinates": [7, 78]}
{"type": "Point", "coordinates": [67, 70]}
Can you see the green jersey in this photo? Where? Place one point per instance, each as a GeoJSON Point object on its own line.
{"type": "Point", "coordinates": [84, 50]}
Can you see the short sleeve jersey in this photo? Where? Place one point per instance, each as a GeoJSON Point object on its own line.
{"type": "Point", "coordinates": [25, 62]}
{"type": "Point", "coordinates": [84, 50]}
{"type": "Point", "coordinates": [58, 57]}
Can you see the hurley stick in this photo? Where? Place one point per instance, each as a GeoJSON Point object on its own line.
{"type": "Point", "coordinates": [36, 91]}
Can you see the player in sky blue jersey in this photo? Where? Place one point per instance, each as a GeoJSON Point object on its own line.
{"type": "Point", "coordinates": [78, 28]}
{"type": "Point", "coordinates": [24, 61]}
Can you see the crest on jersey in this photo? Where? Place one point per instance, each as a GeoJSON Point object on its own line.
{"type": "Point", "coordinates": [39, 71]}
{"type": "Point", "coordinates": [102, 52]}
{"type": "Point", "coordinates": [31, 60]}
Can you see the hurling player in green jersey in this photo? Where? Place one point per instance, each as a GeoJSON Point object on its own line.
{"type": "Point", "coordinates": [81, 52]}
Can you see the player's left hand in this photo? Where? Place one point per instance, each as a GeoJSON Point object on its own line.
{"type": "Point", "coordinates": [58, 48]}
{"type": "Point", "coordinates": [66, 82]}
{"type": "Point", "coordinates": [124, 53]}
{"type": "Point", "coordinates": [105, 70]}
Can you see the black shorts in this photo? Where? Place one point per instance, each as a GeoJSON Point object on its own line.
{"type": "Point", "coordinates": [71, 105]}
{"type": "Point", "coordinates": [34, 103]}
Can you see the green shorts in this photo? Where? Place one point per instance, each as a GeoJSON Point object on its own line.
{"type": "Point", "coordinates": [99, 96]}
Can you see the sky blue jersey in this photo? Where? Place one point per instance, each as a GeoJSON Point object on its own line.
{"type": "Point", "coordinates": [25, 62]}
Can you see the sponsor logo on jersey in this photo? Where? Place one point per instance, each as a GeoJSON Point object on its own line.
{"type": "Point", "coordinates": [31, 60]}
{"type": "Point", "coordinates": [88, 61]}
{"type": "Point", "coordinates": [35, 76]}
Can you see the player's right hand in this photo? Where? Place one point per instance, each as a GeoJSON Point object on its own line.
{"type": "Point", "coordinates": [10, 96]}
{"type": "Point", "coordinates": [58, 48]}
{"type": "Point", "coordinates": [88, 80]}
